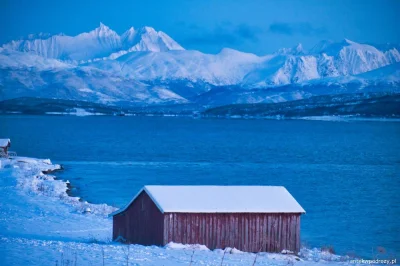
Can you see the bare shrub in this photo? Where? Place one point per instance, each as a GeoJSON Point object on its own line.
{"type": "Point", "coordinates": [127, 253]}
{"type": "Point", "coordinates": [290, 262]}
{"type": "Point", "coordinates": [68, 258]}
{"type": "Point", "coordinates": [191, 258]}
{"type": "Point", "coordinates": [41, 187]}
{"type": "Point", "coordinates": [102, 253]}
{"type": "Point", "coordinates": [223, 256]}
{"type": "Point", "coordinates": [255, 259]}
{"type": "Point", "coordinates": [262, 244]}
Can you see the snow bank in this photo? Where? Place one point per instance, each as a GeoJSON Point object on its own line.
{"type": "Point", "coordinates": [317, 254]}
{"type": "Point", "coordinates": [47, 252]}
{"type": "Point", "coordinates": [33, 177]}
{"type": "Point", "coordinates": [178, 246]}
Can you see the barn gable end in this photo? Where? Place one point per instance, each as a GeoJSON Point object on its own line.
{"type": "Point", "coordinates": [140, 223]}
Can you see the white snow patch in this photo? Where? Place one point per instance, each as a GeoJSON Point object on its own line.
{"type": "Point", "coordinates": [76, 112]}
{"type": "Point", "coordinates": [86, 90]}
{"type": "Point", "coordinates": [172, 245]}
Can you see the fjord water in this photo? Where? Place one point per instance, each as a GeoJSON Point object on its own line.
{"type": "Point", "coordinates": [346, 175]}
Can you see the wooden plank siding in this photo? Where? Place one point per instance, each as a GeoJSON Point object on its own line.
{"type": "Point", "coordinates": [252, 232]}
{"type": "Point", "coordinates": [142, 223]}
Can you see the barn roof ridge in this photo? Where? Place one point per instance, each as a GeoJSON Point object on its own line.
{"type": "Point", "coordinates": [218, 199]}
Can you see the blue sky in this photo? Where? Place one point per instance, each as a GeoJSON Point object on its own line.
{"type": "Point", "coordinates": [257, 26]}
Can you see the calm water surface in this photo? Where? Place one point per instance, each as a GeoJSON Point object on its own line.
{"type": "Point", "coordinates": [346, 175]}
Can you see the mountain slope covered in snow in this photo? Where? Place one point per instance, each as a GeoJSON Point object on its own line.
{"type": "Point", "coordinates": [145, 66]}
{"type": "Point", "coordinates": [98, 43]}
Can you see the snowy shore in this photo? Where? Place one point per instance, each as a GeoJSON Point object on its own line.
{"type": "Point", "coordinates": [42, 225]}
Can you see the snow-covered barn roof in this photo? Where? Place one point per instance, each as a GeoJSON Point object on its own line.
{"type": "Point", "coordinates": [221, 199]}
{"type": "Point", "coordinates": [4, 142]}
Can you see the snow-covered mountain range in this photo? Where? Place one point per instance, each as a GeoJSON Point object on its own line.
{"type": "Point", "coordinates": [99, 43]}
{"type": "Point", "coordinates": [145, 66]}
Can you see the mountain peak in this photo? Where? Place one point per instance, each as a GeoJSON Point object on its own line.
{"type": "Point", "coordinates": [147, 29]}
{"type": "Point", "coordinates": [103, 30]}
{"type": "Point", "coordinates": [321, 46]}
{"type": "Point", "coordinates": [103, 27]}
{"type": "Point", "coordinates": [347, 41]}
{"type": "Point", "coordinates": [296, 50]}
{"type": "Point", "coordinates": [130, 30]}
{"type": "Point", "coordinates": [332, 48]}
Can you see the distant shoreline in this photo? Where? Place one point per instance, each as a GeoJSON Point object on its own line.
{"type": "Point", "coordinates": [333, 118]}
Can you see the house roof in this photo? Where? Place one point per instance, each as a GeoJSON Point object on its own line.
{"type": "Point", "coordinates": [221, 199]}
{"type": "Point", "coordinates": [4, 142]}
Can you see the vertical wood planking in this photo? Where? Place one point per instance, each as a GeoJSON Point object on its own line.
{"type": "Point", "coordinates": [297, 233]}
{"type": "Point", "coordinates": [259, 232]}
{"type": "Point", "coordinates": [279, 237]}
{"type": "Point", "coordinates": [284, 232]}
{"type": "Point", "coordinates": [244, 231]}
{"type": "Point", "coordinates": [265, 236]}
{"type": "Point", "coordinates": [251, 232]}
{"type": "Point", "coordinates": [165, 233]}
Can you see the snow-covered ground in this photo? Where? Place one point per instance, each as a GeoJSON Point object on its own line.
{"type": "Point", "coordinates": [40, 224]}
{"type": "Point", "coordinates": [75, 111]}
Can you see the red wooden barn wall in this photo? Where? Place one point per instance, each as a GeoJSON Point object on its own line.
{"type": "Point", "coordinates": [252, 232]}
{"type": "Point", "coordinates": [143, 223]}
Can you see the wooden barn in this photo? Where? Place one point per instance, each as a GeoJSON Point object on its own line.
{"type": "Point", "coordinates": [249, 218]}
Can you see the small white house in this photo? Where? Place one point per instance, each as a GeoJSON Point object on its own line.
{"type": "Point", "coordinates": [4, 145]}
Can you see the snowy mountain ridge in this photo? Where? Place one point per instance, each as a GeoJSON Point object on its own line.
{"type": "Point", "coordinates": [98, 43]}
{"type": "Point", "coordinates": [147, 66]}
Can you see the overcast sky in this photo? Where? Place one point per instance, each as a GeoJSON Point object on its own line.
{"type": "Point", "coordinates": [253, 26]}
